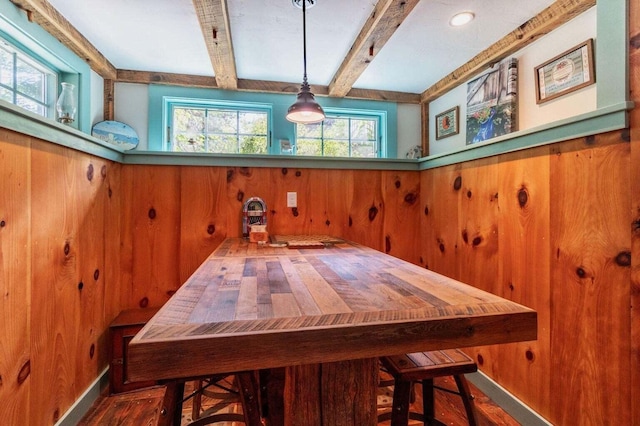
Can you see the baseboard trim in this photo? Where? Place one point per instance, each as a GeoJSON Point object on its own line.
{"type": "Point", "coordinates": [509, 403]}
{"type": "Point", "coordinates": [86, 400]}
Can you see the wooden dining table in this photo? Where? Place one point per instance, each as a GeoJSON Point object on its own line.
{"type": "Point", "coordinates": [323, 314]}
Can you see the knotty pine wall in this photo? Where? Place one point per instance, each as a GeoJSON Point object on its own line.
{"type": "Point", "coordinates": [174, 216]}
{"type": "Point", "coordinates": [58, 265]}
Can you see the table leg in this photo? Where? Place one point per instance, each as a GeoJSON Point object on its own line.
{"type": "Point", "coordinates": [332, 394]}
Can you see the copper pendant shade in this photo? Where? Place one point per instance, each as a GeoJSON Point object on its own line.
{"type": "Point", "coordinates": [305, 110]}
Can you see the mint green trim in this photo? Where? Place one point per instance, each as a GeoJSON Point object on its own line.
{"type": "Point", "coordinates": [26, 122]}
{"type": "Point", "coordinates": [600, 121]}
{"type": "Point", "coordinates": [36, 40]}
{"type": "Point", "coordinates": [281, 128]}
{"type": "Point", "coordinates": [612, 52]}
{"type": "Point", "coordinates": [522, 413]}
{"type": "Point", "coordinates": [82, 405]}
{"type": "Point", "coordinates": [274, 161]}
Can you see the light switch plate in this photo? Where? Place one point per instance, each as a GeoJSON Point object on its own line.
{"type": "Point", "coordinates": [292, 199]}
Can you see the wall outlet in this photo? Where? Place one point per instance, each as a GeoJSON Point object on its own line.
{"type": "Point", "coordinates": [292, 199]}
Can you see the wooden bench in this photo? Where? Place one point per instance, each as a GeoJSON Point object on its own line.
{"type": "Point", "coordinates": [423, 367]}
{"type": "Point", "coordinates": [151, 406]}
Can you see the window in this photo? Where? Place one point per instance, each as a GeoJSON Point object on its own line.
{"type": "Point", "coordinates": [26, 82]}
{"type": "Point", "coordinates": [341, 135]}
{"type": "Point", "coordinates": [218, 127]}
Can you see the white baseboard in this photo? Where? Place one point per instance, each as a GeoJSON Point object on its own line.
{"type": "Point", "coordinates": [86, 400]}
{"type": "Point", "coordinates": [509, 403]}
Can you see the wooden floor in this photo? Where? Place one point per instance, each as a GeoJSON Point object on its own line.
{"type": "Point", "coordinates": [449, 408]}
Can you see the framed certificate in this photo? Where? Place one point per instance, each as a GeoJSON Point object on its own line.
{"type": "Point", "coordinates": [567, 72]}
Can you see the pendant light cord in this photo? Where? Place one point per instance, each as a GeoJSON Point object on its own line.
{"type": "Point", "coordinates": [304, 41]}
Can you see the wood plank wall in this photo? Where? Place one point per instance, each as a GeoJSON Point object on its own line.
{"type": "Point", "coordinates": [549, 228]}
{"type": "Point", "coordinates": [175, 216]}
{"type": "Point", "coordinates": [58, 271]}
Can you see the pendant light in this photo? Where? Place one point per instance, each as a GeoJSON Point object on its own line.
{"type": "Point", "coordinates": [305, 110]}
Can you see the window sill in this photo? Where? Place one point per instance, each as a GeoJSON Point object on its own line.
{"type": "Point", "coordinates": [602, 120]}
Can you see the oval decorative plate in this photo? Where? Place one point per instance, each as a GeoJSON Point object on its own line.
{"type": "Point", "coordinates": [116, 133]}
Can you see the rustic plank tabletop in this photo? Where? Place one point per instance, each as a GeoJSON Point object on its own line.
{"type": "Point", "coordinates": [253, 306]}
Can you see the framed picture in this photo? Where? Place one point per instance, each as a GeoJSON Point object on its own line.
{"type": "Point", "coordinates": [492, 102]}
{"type": "Point", "coordinates": [567, 72]}
{"type": "Point", "coordinates": [448, 123]}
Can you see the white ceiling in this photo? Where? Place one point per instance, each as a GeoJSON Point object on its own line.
{"type": "Point", "coordinates": [165, 36]}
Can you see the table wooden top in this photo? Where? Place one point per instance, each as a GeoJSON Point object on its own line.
{"type": "Point", "coordinates": [250, 307]}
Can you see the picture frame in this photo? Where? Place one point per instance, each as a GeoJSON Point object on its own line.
{"type": "Point", "coordinates": [569, 71]}
{"type": "Point", "coordinates": [448, 123]}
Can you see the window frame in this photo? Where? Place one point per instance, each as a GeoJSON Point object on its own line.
{"type": "Point", "coordinates": [170, 103]}
{"type": "Point", "coordinates": [52, 76]}
{"type": "Point", "coordinates": [379, 116]}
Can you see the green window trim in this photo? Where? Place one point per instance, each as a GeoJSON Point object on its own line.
{"type": "Point", "coordinates": [212, 137]}
{"type": "Point", "coordinates": [330, 140]}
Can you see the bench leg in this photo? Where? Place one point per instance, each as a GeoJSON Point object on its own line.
{"type": "Point", "coordinates": [401, 402]}
{"type": "Point", "coordinates": [465, 394]}
{"type": "Point", "coordinates": [249, 391]}
{"type": "Point", "coordinates": [178, 395]}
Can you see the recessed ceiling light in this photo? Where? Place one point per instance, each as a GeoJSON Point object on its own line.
{"type": "Point", "coordinates": [461, 18]}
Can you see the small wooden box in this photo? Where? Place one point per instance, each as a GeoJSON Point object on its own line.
{"type": "Point", "coordinates": [257, 237]}
{"type": "Point", "coordinates": [121, 331]}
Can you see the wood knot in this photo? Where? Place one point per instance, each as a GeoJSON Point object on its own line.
{"type": "Point", "coordinates": [441, 245]}
{"type": "Point", "coordinates": [96, 274]}
{"type": "Point", "coordinates": [529, 355]}
{"type": "Point", "coordinates": [469, 194]}
{"type": "Point", "coordinates": [511, 287]}
{"type": "Point", "coordinates": [410, 198]}
{"type": "Point", "coordinates": [327, 222]}
{"type": "Point", "coordinates": [373, 212]}
{"type": "Point", "coordinates": [523, 197]}
{"type": "Point", "coordinates": [152, 213]}
{"type": "Point", "coordinates": [350, 221]}
{"type": "Point", "coordinates": [240, 196]}
{"type": "Point", "coordinates": [211, 229]}
{"type": "Point", "coordinates": [92, 350]}
{"type": "Point", "coordinates": [109, 192]}
{"type": "Point", "coordinates": [426, 210]}
{"type": "Point", "coordinates": [387, 244]}
{"type": "Point", "coordinates": [3, 223]}
{"type": "Point", "coordinates": [245, 171]}
{"type": "Point", "coordinates": [90, 172]}
{"type": "Point", "coordinates": [465, 236]}
{"type": "Point", "coordinates": [80, 285]}
{"type": "Point", "coordinates": [284, 171]}
{"type": "Point", "coordinates": [581, 272]}
{"type": "Point", "coordinates": [67, 249]}
{"type": "Point", "coordinates": [397, 184]}
{"type": "Point", "coordinates": [476, 241]}
{"type": "Point", "coordinates": [24, 372]}
{"type": "Point", "coordinates": [144, 302]}
{"type": "Point", "coordinates": [480, 359]}
{"type": "Point", "coordinates": [295, 212]}
{"type": "Point", "coordinates": [230, 173]}
{"type": "Point", "coordinates": [298, 173]}
{"type": "Point", "coordinates": [624, 259]}
{"type": "Point", "coordinates": [457, 183]}
{"type": "Point", "coordinates": [103, 171]}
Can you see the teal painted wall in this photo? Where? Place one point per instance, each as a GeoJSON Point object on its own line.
{"type": "Point", "coordinates": [282, 129]}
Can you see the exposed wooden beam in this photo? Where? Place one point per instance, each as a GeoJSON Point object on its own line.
{"type": "Point", "coordinates": [546, 21]}
{"type": "Point", "coordinates": [145, 77]}
{"type": "Point", "coordinates": [109, 96]}
{"type": "Point", "coordinates": [42, 13]}
{"type": "Point", "coordinates": [382, 23]}
{"type": "Point", "coordinates": [214, 22]}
